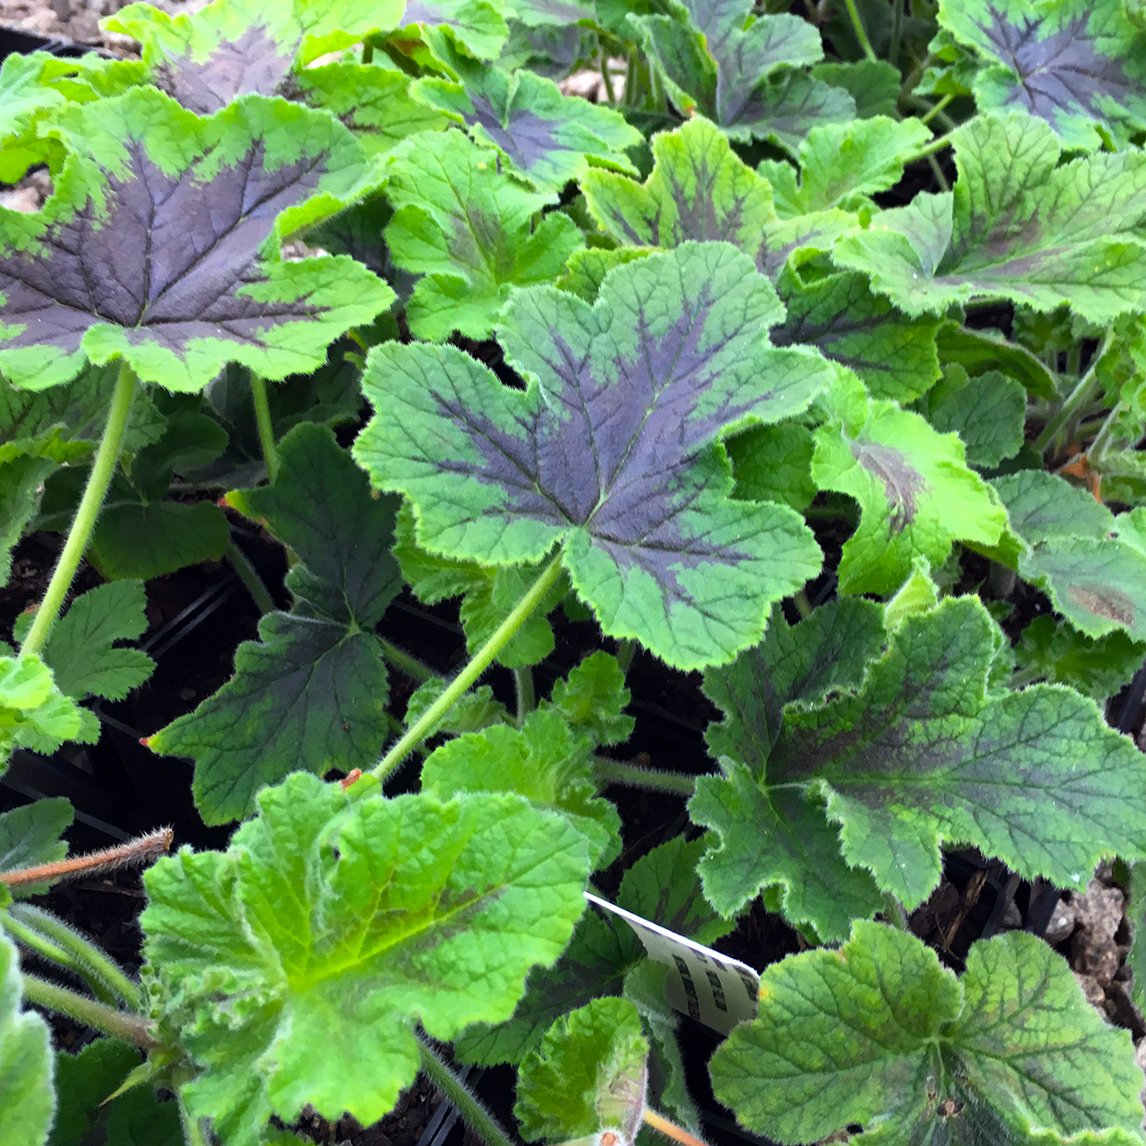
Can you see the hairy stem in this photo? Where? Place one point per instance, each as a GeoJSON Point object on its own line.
{"type": "Point", "coordinates": [1076, 401]}
{"type": "Point", "coordinates": [606, 77]}
{"type": "Point", "coordinates": [475, 1116]}
{"type": "Point", "coordinates": [263, 418]}
{"type": "Point", "coordinates": [80, 533]}
{"type": "Point", "coordinates": [936, 109]}
{"type": "Point", "coordinates": [860, 31]}
{"type": "Point", "coordinates": [478, 663]}
{"type": "Point", "coordinates": [893, 912]}
{"type": "Point", "coordinates": [80, 956]}
{"type": "Point", "coordinates": [250, 578]}
{"type": "Point", "coordinates": [406, 662]}
{"type": "Point", "coordinates": [638, 776]}
{"type": "Point", "coordinates": [107, 1020]}
{"type": "Point", "coordinates": [523, 687]}
{"type": "Point", "coordinates": [626, 651]}
{"type": "Point", "coordinates": [670, 1129]}
{"type": "Point", "coordinates": [37, 944]}
{"type": "Point", "coordinates": [193, 1132]}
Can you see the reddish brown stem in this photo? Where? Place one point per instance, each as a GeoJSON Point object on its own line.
{"type": "Point", "coordinates": [136, 851]}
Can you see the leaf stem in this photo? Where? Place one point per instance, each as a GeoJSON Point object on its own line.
{"type": "Point", "coordinates": [606, 77]}
{"type": "Point", "coordinates": [893, 912]}
{"type": "Point", "coordinates": [896, 34]}
{"type": "Point", "coordinates": [193, 1132]}
{"type": "Point", "coordinates": [936, 108]}
{"type": "Point", "coordinates": [625, 652]}
{"type": "Point", "coordinates": [478, 663]}
{"type": "Point", "coordinates": [861, 33]}
{"type": "Point", "coordinates": [406, 662]}
{"type": "Point", "coordinates": [107, 1020]}
{"type": "Point", "coordinates": [262, 406]}
{"type": "Point", "coordinates": [523, 687]}
{"type": "Point", "coordinates": [670, 1129]}
{"type": "Point", "coordinates": [473, 1113]}
{"type": "Point", "coordinates": [35, 927]}
{"type": "Point", "coordinates": [82, 527]}
{"type": "Point", "coordinates": [638, 776]}
{"type": "Point", "coordinates": [1101, 441]}
{"type": "Point", "coordinates": [1076, 400]}
{"type": "Point", "coordinates": [250, 578]}
{"type": "Point", "coordinates": [937, 144]}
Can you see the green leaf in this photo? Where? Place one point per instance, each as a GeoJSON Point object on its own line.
{"type": "Point", "coordinates": [917, 594]}
{"type": "Point", "coordinates": [489, 594]}
{"type": "Point", "coordinates": [1017, 227]}
{"type": "Point", "coordinates": [468, 229]}
{"type": "Point", "coordinates": [27, 1090]}
{"type": "Point", "coordinates": [21, 483]}
{"type": "Point", "coordinates": [34, 713]}
{"type": "Point", "coordinates": [544, 761]}
{"type": "Point", "coordinates": [982, 351]}
{"type": "Point", "coordinates": [915, 492]}
{"type": "Point", "coordinates": [312, 692]}
{"type": "Point", "coordinates": [844, 164]}
{"type": "Point", "coordinates": [878, 1033]}
{"type": "Point", "coordinates": [30, 836]}
{"type": "Point", "coordinates": [82, 652]}
{"type": "Point", "coordinates": [612, 448]}
{"type": "Point", "coordinates": [474, 712]}
{"type": "Point", "coordinates": [84, 1082]}
{"type": "Point", "coordinates": [476, 27]}
{"type": "Point", "coordinates": [593, 698]}
{"type": "Point", "coordinates": [588, 1075]}
{"type": "Point", "coordinates": [1099, 667]}
{"type": "Point", "coordinates": [1077, 65]}
{"type": "Point", "coordinates": [136, 541]}
{"type": "Point", "coordinates": [774, 463]}
{"type": "Point", "coordinates": [761, 837]}
{"type": "Point", "coordinates": [922, 753]}
{"type": "Point", "coordinates": [549, 138]}
{"type": "Point", "coordinates": [202, 206]}
{"type": "Point", "coordinates": [700, 189]}
{"type": "Point", "coordinates": [873, 84]}
{"type": "Point", "coordinates": [735, 67]}
{"type": "Point", "coordinates": [1064, 542]}
{"type": "Point", "coordinates": [894, 355]}
{"type": "Point", "coordinates": [330, 914]}
{"type": "Point", "coordinates": [988, 412]}
{"type": "Point", "coordinates": [209, 58]}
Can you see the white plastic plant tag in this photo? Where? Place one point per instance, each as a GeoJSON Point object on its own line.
{"type": "Point", "coordinates": [703, 984]}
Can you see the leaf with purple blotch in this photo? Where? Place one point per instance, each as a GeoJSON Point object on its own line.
{"type": "Point", "coordinates": [468, 229]}
{"type": "Point", "coordinates": [1018, 226]}
{"type": "Point", "coordinates": [719, 58]}
{"type": "Point", "coordinates": [612, 451]}
{"type": "Point", "coordinates": [235, 47]}
{"type": "Point", "coordinates": [916, 493]}
{"type": "Point", "coordinates": [544, 13]}
{"type": "Point", "coordinates": [1080, 65]}
{"type": "Point", "coordinates": [549, 138]}
{"type": "Point", "coordinates": [476, 27]}
{"type": "Point", "coordinates": [700, 189]}
{"type": "Point", "coordinates": [1067, 544]}
{"type": "Point", "coordinates": [161, 245]}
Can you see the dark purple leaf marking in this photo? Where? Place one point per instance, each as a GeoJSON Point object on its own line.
{"type": "Point", "coordinates": [901, 481]}
{"type": "Point", "coordinates": [255, 62]}
{"type": "Point", "coordinates": [167, 256]}
{"type": "Point", "coordinates": [1060, 72]}
{"type": "Point", "coordinates": [1103, 601]}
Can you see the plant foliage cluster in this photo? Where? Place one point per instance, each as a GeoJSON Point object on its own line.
{"type": "Point", "coordinates": [810, 356]}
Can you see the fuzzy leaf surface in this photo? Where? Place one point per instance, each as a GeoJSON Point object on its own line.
{"type": "Point", "coordinates": [27, 1091]}
{"type": "Point", "coordinates": [588, 1075]}
{"type": "Point", "coordinates": [160, 247]}
{"type": "Point", "coordinates": [1079, 66]}
{"type": "Point", "coordinates": [544, 761]}
{"type": "Point", "coordinates": [1069, 546]}
{"type": "Point", "coordinates": [550, 138]}
{"type": "Point", "coordinates": [1017, 227]}
{"type": "Point", "coordinates": [761, 838]}
{"type": "Point", "coordinates": [878, 1033]}
{"type": "Point", "coordinates": [467, 228]}
{"type": "Point", "coordinates": [1059, 653]}
{"type": "Point", "coordinates": [700, 189]}
{"type": "Point", "coordinates": [311, 693]}
{"type": "Point", "coordinates": [737, 68]}
{"type": "Point", "coordinates": [923, 754]}
{"type": "Point", "coordinates": [843, 164]}
{"type": "Point", "coordinates": [916, 494]}
{"type": "Point", "coordinates": [342, 923]}
{"type": "Point", "coordinates": [988, 412]}
{"type": "Point", "coordinates": [612, 449]}
{"type": "Point", "coordinates": [230, 48]}
{"type": "Point", "coordinates": [593, 698]}
{"type": "Point", "coordinates": [34, 713]}
{"type": "Point", "coordinates": [893, 354]}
